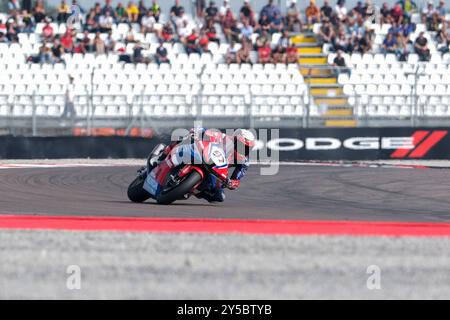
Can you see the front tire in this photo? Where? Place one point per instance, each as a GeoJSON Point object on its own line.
{"type": "Point", "coordinates": [136, 192]}
{"type": "Point", "coordinates": [180, 190]}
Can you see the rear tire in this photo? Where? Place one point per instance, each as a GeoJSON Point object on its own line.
{"type": "Point", "coordinates": [136, 192]}
{"type": "Point", "coordinates": [179, 191]}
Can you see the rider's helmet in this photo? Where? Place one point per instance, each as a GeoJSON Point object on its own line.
{"type": "Point", "coordinates": [244, 141]}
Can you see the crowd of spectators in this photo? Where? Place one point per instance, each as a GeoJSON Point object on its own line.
{"type": "Point", "coordinates": [351, 30]}
{"type": "Point", "coordinates": [345, 29]}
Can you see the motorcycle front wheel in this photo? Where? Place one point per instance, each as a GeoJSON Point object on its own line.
{"type": "Point", "coordinates": [136, 192]}
{"type": "Point", "coordinates": [171, 194]}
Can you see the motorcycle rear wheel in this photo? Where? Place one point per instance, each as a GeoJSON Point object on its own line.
{"type": "Point", "coordinates": [136, 192]}
{"type": "Point", "coordinates": [180, 190]}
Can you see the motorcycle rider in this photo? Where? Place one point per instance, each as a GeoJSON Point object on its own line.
{"type": "Point", "coordinates": [237, 149]}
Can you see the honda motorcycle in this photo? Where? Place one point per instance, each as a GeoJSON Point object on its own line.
{"type": "Point", "coordinates": [181, 173]}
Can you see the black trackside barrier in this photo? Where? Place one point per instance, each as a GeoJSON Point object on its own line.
{"type": "Point", "coordinates": [292, 144]}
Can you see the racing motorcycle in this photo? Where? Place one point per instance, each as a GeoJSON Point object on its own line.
{"type": "Point", "coordinates": [182, 172]}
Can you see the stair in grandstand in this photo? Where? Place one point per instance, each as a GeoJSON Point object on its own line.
{"type": "Point", "coordinates": [325, 91]}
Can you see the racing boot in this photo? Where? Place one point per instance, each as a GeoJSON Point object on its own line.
{"type": "Point", "coordinates": [217, 195]}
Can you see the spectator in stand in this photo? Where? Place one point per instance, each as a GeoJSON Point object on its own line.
{"type": "Point", "coordinates": [57, 51]}
{"type": "Point", "coordinates": [243, 54]}
{"type": "Point", "coordinates": [156, 10]}
{"type": "Point", "coordinates": [161, 55]}
{"type": "Point", "coordinates": [246, 30]}
{"type": "Point", "coordinates": [25, 22]}
{"type": "Point", "coordinates": [403, 49]}
{"type": "Point", "coordinates": [441, 11]}
{"type": "Point", "coordinates": [132, 12]}
{"type": "Point", "coordinates": [26, 5]}
{"type": "Point", "coordinates": [92, 21]}
{"type": "Point", "coordinates": [293, 17]}
{"type": "Point", "coordinates": [369, 12]}
{"type": "Point", "coordinates": [168, 34]}
{"type": "Point", "coordinates": [211, 32]}
{"type": "Point", "coordinates": [397, 13]}
{"type": "Point", "coordinates": [200, 6]}
{"type": "Point", "coordinates": [263, 38]}
{"type": "Point", "coordinates": [3, 38]}
{"type": "Point", "coordinates": [276, 25]}
{"type": "Point", "coordinates": [13, 7]}
{"type": "Point", "coordinates": [326, 31]}
{"type": "Point", "coordinates": [359, 9]}
{"type": "Point", "coordinates": [176, 10]}
{"type": "Point", "coordinates": [263, 23]}
{"type": "Point", "coordinates": [63, 12]}
{"type": "Point", "coordinates": [341, 10]}
{"type": "Point", "coordinates": [229, 26]}
{"type": "Point", "coordinates": [312, 13]}
{"type": "Point", "coordinates": [340, 64]}
{"type": "Point", "coordinates": [180, 19]}
{"type": "Point", "coordinates": [184, 31]}
{"type": "Point", "coordinates": [291, 54]}
{"type": "Point", "coordinates": [67, 41]}
{"type": "Point", "coordinates": [390, 44]}
{"type": "Point", "coordinates": [110, 43]}
{"type": "Point", "coordinates": [107, 8]}
{"type": "Point", "coordinates": [121, 13]}
{"type": "Point", "coordinates": [278, 55]}
{"type": "Point", "coordinates": [105, 22]}
{"type": "Point", "coordinates": [343, 43]}
{"type": "Point", "coordinates": [443, 38]}
{"type": "Point", "coordinates": [326, 10]}
{"type": "Point", "coordinates": [45, 54]}
{"type": "Point", "coordinates": [39, 12]}
{"type": "Point", "coordinates": [265, 54]}
{"type": "Point", "coordinates": [385, 14]}
{"type": "Point", "coordinates": [148, 23]}
{"type": "Point", "coordinates": [395, 28]}
{"type": "Point", "coordinates": [408, 28]}
{"type": "Point", "coordinates": [408, 7]}
{"type": "Point", "coordinates": [285, 41]}
{"type": "Point", "coordinates": [11, 31]}
{"type": "Point", "coordinates": [138, 57]}
{"type": "Point", "coordinates": [3, 28]}
{"type": "Point", "coordinates": [99, 45]}
{"type": "Point", "coordinates": [47, 31]}
{"type": "Point", "coordinates": [428, 13]}
{"type": "Point", "coordinates": [247, 13]}
{"type": "Point", "coordinates": [192, 44]}
{"type": "Point", "coordinates": [421, 47]}
{"type": "Point", "coordinates": [212, 12]}
{"type": "Point", "coordinates": [231, 55]}
{"type": "Point", "coordinates": [142, 10]}
{"type": "Point", "coordinates": [270, 9]}
{"type": "Point", "coordinates": [223, 10]}
{"type": "Point", "coordinates": [86, 44]}
{"type": "Point", "coordinates": [203, 42]}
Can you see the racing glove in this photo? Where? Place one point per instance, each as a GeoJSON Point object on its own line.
{"type": "Point", "coordinates": [233, 184]}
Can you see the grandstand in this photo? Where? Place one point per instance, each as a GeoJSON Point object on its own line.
{"type": "Point", "coordinates": [124, 87]}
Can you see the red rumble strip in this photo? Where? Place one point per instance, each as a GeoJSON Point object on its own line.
{"type": "Point", "coordinates": [271, 227]}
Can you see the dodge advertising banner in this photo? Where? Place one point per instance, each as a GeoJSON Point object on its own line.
{"type": "Point", "coordinates": [362, 144]}
{"type": "Point", "coordinates": [291, 144]}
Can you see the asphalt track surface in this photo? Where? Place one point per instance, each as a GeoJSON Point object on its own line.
{"type": "Point", "coordinates": [136, 265]}
{"type": "Point", "coordinates": [294, 193]}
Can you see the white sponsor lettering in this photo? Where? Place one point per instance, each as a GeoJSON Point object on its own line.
{"type": "Point", "coordinates": [362, 143]}
{"type": "Point", "coordinates": [329, 143]}
{"type": "Point", "coordinates": [397, 143]}
{"type": "Point", "coordinates": [288, 144]}
{"type": "Point", "coordinates": [322, 143]}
